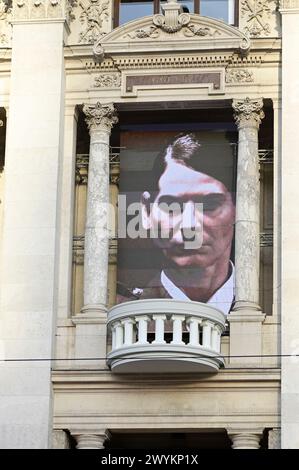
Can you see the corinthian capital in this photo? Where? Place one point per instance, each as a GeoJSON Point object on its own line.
{"type": "Point", "coordinates": [100, 117]}
{"type": "Point", "coordinates": [248, 112]}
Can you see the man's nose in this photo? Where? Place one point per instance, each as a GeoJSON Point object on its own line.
{"type": "Point", "coordinates": [188, 221]}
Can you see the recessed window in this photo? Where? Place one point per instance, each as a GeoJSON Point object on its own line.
{"type": "Point", "coordinates": [128, 10]}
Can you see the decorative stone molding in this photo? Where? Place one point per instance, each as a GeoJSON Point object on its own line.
{"type": "Point", "coordinates": [43, 9]}
{"type": "Point", "coordinates": [248, 112]}
{"type": "Point", "coordinates": [112, 80]}
{"type": "Point", "coordinates": [155, 34]}
{"type": "Point", "coordinates": [100, 116]}
{"type": "Point", "coordinates": [180, 62]}
{"type": "Point", "coordinates": [258, 17]}
{"type": "Point", "coordinates": [135, 82]}
{"type": "Point", "coordinates": [288, 4]}
{"type": "Point", "coordinates": [238, 76]}
{"type": "Point", "coordinates": [93, 15]}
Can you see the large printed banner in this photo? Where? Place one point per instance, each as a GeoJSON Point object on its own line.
{"type": "Point", "coordinates": [176, 217]}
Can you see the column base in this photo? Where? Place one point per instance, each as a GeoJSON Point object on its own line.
{"type": "Point", "coordinates": [91, 337]}
{"type": "Point", "coordinates": [246, 334]}
{"type": "Point", "coordinates": [241, 305]}
{"type": "Point", "coordinates": [96, 311]}
{"type": "Point", "coordinates": [91, 441]}
{"type": "Point", "coordinates": [245, 440]}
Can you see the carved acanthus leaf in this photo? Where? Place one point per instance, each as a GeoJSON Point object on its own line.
{"type": "Point", "coordinates": [100, 116]}
{"type": "Point", "coordinates": [248, 112]}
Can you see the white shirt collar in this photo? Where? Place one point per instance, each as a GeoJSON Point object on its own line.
{"type": "Point", "coordinates": [222, 299]}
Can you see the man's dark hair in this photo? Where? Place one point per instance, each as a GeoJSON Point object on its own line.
{"type": "Point", "coordinates": [184, 149]}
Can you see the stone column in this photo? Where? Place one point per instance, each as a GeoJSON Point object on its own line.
{"type": "Point", "coordinates": [245, 440]}
{"type": "Point", "coordinates": [100, 119]}
{"type": "Point", "coordinates": [91, 323]}
{"type": "Point", "coordinates": [91, 441]}
{"type": "Point", "coordinates": [246, 318]}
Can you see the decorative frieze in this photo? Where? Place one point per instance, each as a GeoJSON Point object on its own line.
{"type": "Point", "coordinates": [43, 9]}
{"type": "Point", "coordinates": [259, 17]}
{"type": "Point", "coordinates": [112, 80]}
{"type": "Point", "coordinates": [238, 76]}
{"type": "Point", "coordinates": [180, 61]}
{"type": "Point", "coordinates": [94, 15]}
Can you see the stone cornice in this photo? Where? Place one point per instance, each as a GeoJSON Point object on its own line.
{"type": "Point", "coordinates": [248, 112]}
{"type": "Point", "coordinates": [100, 117]}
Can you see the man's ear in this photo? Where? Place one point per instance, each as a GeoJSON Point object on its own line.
{"type": "Point", "coordinates": [145, 210]}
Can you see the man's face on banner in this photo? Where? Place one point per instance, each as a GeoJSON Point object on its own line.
{"type": "Point", "coordinates": [204, 206]}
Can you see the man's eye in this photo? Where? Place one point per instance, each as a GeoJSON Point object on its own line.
{"type": "Point", "coordinates": [212, 203]}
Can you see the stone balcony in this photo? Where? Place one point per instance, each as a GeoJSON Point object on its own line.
{"type": "Point", "coordinates": [165, 335]}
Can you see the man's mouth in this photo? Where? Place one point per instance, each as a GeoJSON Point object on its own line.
{"type": "Point", "coordinates": [181, 251]}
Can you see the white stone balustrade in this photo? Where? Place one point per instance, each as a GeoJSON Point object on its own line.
{"type": "Point", "coordinates": [143, 342]}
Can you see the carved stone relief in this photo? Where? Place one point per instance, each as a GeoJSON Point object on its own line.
{"type": "Point", "coordinates": [5, 15]}
{"type": "Point", "coordinates": [111, 80]}
{"type": "Point", "coordinates": [94, 16]}
{"type": "Point", "coordinates": [40, 9]}
{"type": "Point", "coordinates": [238, 76]}
{"type": "Point", "coordinates": [259, 18]}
